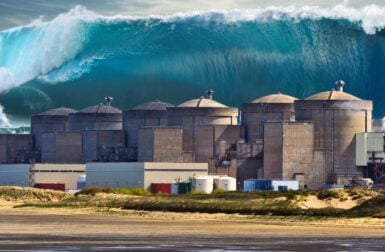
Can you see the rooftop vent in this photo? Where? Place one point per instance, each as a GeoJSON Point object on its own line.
{"type": "Point", "coordinates": [340, 84]}
{"type": "Point", "coordinates": [108, 100]}
{"type": "Point", "coordinates": [210, 94]}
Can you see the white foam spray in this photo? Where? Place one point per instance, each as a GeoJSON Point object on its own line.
{"type": "Point", "coordinates": [4, 121]}
{"type": "Point", "coordinates": [35, 50]}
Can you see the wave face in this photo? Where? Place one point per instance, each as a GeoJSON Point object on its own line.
{"type": "Point", "coordinates": [241, 54]}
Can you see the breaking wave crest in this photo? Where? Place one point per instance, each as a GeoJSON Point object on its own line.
{"type": "Point", "coordinates": [290, 49]}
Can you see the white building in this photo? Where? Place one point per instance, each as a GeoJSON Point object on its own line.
{"type": "Point", "coordinates": [140, 175]}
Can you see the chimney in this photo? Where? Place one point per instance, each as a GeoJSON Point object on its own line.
{"type": "Point", "coordinates": [340, 85]}
{"type": "Point", "coordinates": [210, 94]}
{"type": "Point", "coordinates": [108, 100]}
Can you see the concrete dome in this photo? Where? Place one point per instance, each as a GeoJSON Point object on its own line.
{"type": "Point", "coordinates": [58, 112]}
{"type": "Point", "coordinates": [333, 96]}
{"type": "Point", "coordinates": [154, 105]}
{"type": "Point", "coordinates": [275, 98]}
{"type": "Point", "coordinates": [202, 103]}
{"type": "Point", "coordinates": [100, 109]}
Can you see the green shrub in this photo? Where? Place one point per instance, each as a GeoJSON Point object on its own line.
{"type": "Point", "coordinates": [198, 193]}
{"type": "Point", "coordinates": [217, 191]}
{"type": "Point", "coordinates": [126, 191]}
{"type": "Point", "coordinates": [330, 194]}
{"type": "Point", "coordinates": [131, 191]}
{"type": "Point", "coordinates": [91, 191]}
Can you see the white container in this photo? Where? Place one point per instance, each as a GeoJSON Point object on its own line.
{"type": "Point", "coordinates": [283, 185]}
{"type": "Point", "coordinates": [204, 184]}
{"type": "Point", "coordinates": [227, 184]}
{"type": "Point", "coordinates": [81, 182]}
{"type": "Point", "coordinates": [174, 187]}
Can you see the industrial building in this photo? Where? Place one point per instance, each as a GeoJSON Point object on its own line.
{"type": "Point", "coordinates": [49, 176]}
{"type": "Point", "coordinates": [140, 174]}
{"type": "Point", "coordinates": [325, 139]}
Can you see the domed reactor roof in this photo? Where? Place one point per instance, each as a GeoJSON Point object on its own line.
{"type": "Point", "coordinates": [100, 109]}
{"type": "Point", "coordinates": [202, 103]}
{"type": "Point", "coordinates": [275, 98]}
{"type": "Point", "coordinates": [58, 112]}
{"type": "Point", "coordinates": [333, 96]}
{"type": "Point", "coordinates": [154, 105]}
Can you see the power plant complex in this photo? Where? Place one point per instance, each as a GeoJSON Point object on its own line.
{"type": "Point", "coordinates": [322, 141]}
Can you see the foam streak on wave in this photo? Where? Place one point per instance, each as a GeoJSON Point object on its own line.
{"type": "Point", "coordinates": [215, 43]}
{"type": "Point", "coordinates": [38, 48]}
{"type": "Point", "coordinates": [42, 46]}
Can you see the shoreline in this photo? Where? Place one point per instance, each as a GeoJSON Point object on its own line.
{"type": "Point", "coordinates": [115, 222]}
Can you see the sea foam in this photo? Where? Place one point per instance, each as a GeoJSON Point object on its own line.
{"type": "Point", "coordinates": [53, 51]}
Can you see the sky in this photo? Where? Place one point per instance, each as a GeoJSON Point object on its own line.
{"type": "Point", "coordinates": [20, 12]}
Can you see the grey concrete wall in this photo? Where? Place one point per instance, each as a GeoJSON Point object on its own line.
{"type": "Point", "coordinates": [44, 123]}
{"type": "Point", "coordinates": [109, 143]}
{"type": "Point", "coordinates": [247, 168]}
{"type": "Point", "coordinates": [3, 149]}
{"type": "Point", "coordinates": [102, 145]}
{"type": "Point", "coordinates": [298, 143]}
{"type": "Point", "coordinates": [163, 144]}
{"type": "Point", "coordinates": [16, 148]}
{"type": "Point", "coordinates": [273, 151]}
{"type": "Point", "coordinates": [14, 174]}
{"type": "Point", "coordinates": [168, 145]}
{"type": "Point", "coordinates": [99, 121]}
{"type": "Point", "coordinates": [62, 147]}
{"type": "Point", "coordinates": [90, 146]}
{"type": "Point", "coordinates": [191, 118]}
{"type": "Point", "coordinates": [68, 146]}
{"type": "Point", "coordinates": [146, 145]}
{"type": "Point", "coordinates": [216, 141]}
{"type": "Point", "coordinates": [133, 120]}
{"type": "Point", "coordinates": [48, 147]}
{"type": "Point", "coordinates": [255, 115]}
{"type": "Point", "coordinates": [335, 126]}
{"type": "Point", "coordinates": [115, 175]}
{"type": "Point", "coordinates": [318, 175]}
{"type": "Point", "coordinates": [289, 152]}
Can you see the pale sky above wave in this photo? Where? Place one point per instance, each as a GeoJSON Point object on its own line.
{"type": "Point", "coordinates": [21, 12]}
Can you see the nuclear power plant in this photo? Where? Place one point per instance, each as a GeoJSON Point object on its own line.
{"type": "Point", "coordinates": [321, 141]}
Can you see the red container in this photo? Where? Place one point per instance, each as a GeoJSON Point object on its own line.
{"type": "Point", "coordinates": [57, 187]}
{"type": "Point", "coordinates": [161, 188]}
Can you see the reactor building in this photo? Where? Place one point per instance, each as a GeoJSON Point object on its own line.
{"type": "Point", "coordinates": [323, 140]}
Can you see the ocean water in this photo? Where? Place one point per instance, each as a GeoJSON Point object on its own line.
{"type": "Point", "coordinates": [79, 57]}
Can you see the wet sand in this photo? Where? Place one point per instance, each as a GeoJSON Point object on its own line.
{"type": "Point", "coordinates": [87, 229]}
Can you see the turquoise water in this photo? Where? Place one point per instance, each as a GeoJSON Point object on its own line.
{"type": "Point", "coordinates": [80, 57]}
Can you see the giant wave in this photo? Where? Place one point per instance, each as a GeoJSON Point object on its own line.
{"type": "Point", "coordinates": [242, 54]}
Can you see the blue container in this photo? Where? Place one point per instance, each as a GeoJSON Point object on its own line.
{"type": "Point", "coordinates": [263, 185]}
{"type": "Point", "coordinates": [251, 185]}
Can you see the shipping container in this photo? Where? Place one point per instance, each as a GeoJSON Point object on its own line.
{"type": "Point", "coordinates": [269, 185]}
{"type": "Point", "coordinates": [174, 187]}
{"type": "Point", "coordinates": [161, 188]}
{"type": "Point", "coordinates": [257, 185]}
{"type": "Point", "coordinates": [57, 187]}
{"type": "Point", "coordinates": [184, 187]}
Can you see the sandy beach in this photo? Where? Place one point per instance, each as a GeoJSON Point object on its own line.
{"type": "Point", "coordinates": [36, 229]}
{"type": "Point", "coordinates": [59, 227]}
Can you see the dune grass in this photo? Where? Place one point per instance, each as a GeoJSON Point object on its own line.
{"type": "Point", "coordinates": [250, 203]}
